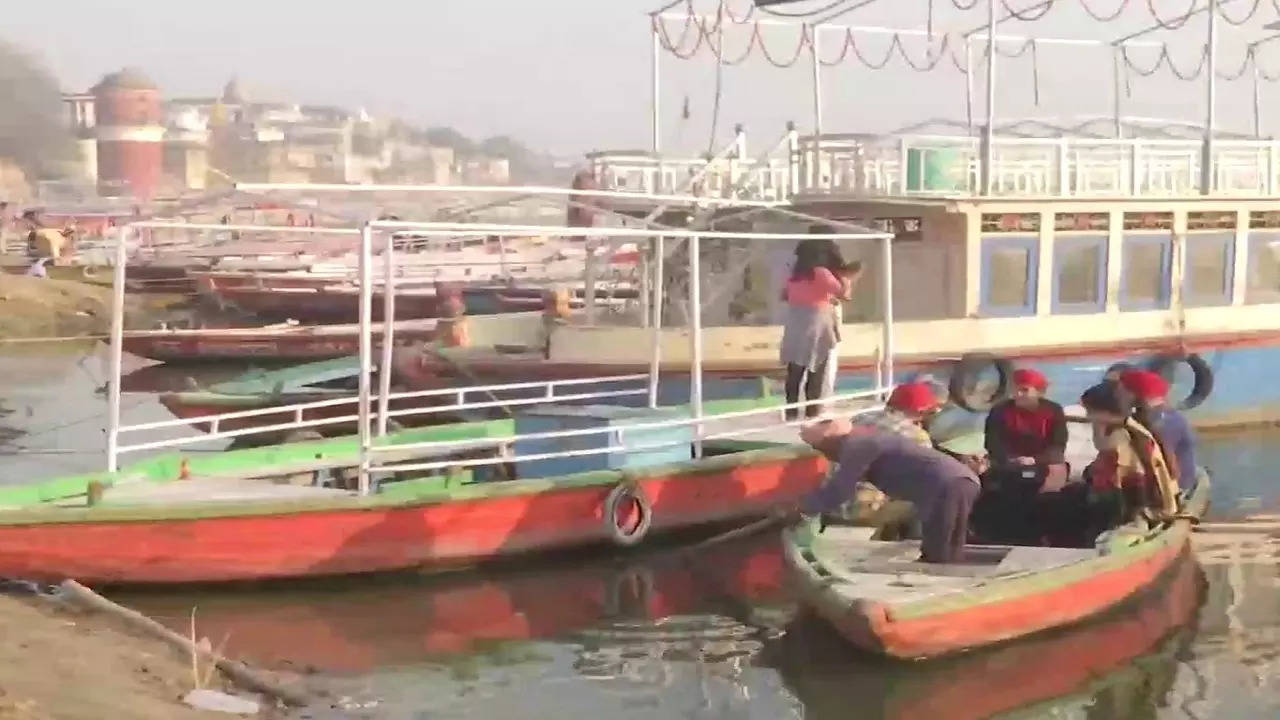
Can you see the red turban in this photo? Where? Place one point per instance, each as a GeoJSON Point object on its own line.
{"type": "Point", "coordinates": [1144, 384]}
{"type": "Point", "coordinates": [1029, 377]}
{"type": "Point", "coordinates": [916, 397]}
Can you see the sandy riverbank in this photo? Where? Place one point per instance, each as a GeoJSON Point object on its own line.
{"type": "Point", "coordinates": [43, 307]}
{"type": "Point", "coordinates": [57, 663]}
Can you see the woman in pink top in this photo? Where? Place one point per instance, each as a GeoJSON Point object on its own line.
{"type": "Point", "coordinates": [810, 330]}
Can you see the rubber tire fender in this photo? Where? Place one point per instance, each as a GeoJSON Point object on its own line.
{"type": "Point", "coordinates": [968, 367]}
{"type": "Point", "coordinates": [613, 502]}
{"type": "Point", "coordinates": [1200, 370]}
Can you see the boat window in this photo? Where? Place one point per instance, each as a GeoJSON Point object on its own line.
{"type": "Point", "coordinates": [1144, 271]}
{"type": "Point", "coordinates": [1207, 268]}
{"type": "Point", "coordinates": [1080, 273]}
{"type": "Point", "coordinates": [1264, 267]}
{"type": "Point", "coordinates": [1009, 274]}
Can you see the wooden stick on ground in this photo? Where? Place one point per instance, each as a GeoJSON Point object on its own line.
{"type": "Point", "coordinates": [236, 671]}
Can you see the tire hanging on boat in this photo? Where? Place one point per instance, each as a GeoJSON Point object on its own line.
{"type": "Point", "coordinates": [1164, 365]}
{"type": "Point", "coordinates": [615, 502]}
{"type": "Point", "coordinates": [963, 386]}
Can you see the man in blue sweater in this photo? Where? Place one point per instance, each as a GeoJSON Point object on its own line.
{"type": "Point", "coordinates": [942, 488]}
{"type": "Point", "coordinates": [1152, 391]}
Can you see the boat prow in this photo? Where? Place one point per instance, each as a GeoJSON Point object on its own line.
{"type": "Point", "coordinates": [880, 598]}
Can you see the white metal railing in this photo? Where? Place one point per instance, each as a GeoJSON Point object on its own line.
{"type": "Point", "coordinates": [871, 165]}
{"type": "Point", "coordinates": [617, 442]}
{"type": "Point", "coordinates": [298, 411]}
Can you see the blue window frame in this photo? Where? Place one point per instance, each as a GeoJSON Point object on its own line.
{"type": "Point", "coordinates": [1208, 268]}
{"type": "Point", "coordinates": [1009, 270]}
{"type": "Point", "coordinates": [1079, 274]}
{"type": "Point", "coordinates": [1144, 271]}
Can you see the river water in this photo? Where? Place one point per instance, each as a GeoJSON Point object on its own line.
{"type": "Point", "coordinates": [660, 635]}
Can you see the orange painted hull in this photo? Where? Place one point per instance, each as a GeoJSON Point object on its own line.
{"type": "Point", "coordinates": [224, 543]}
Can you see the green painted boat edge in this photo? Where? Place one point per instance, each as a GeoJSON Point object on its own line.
{"type": "Point", "coordinates": [30, 504]}
{"type": "Point", "coordinates": [289, 378]}
{"type": "Point", "coordinates": [1124, 551]}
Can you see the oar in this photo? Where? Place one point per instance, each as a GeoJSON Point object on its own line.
{"type": "Point", "coordinates": [737, 533]}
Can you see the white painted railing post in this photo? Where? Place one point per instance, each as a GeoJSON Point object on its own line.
{"type": "Point", "coordinates": [117, 349]}
{"type": "Point", "coordinates": [695, 340]}
{"type": "Point", "coordinates": [1064, 175]}
{"type": "Point", "coordinates": [886, 261]}
{"type": "Point", "coordinates": [388, 329]}
{"type": "Point", "coordinates": [655, 350]}
{"type": "Point", "coordinates": [793, 159]}
{"type": "Point", "coordinates": [1135, 168]}
{"type": "Point", "coordinates": [366, 351]}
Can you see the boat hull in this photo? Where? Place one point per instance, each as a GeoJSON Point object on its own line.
{"type": "Point", "coordinates": [296, 343]}
{"type": "Point", "coordinates": [225, 542]}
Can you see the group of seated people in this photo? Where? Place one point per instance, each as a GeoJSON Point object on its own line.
{"type": "Point", "coordinates": [1022, 492]}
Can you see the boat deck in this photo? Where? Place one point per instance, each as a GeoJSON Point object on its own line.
{"type": "Point", "coordinates": [212, 490]}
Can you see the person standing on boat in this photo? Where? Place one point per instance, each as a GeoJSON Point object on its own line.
{"type": "Point", "coordinates": [810, 332]}
{"type": "Point", "coordinates": [1134, 474]}
{"type": "Point", "coordinates": [941, 488]}
{"type": "Point", "coordinates": [1026, 438]}
{"type": "Point", "coordinates": [1151, 391]}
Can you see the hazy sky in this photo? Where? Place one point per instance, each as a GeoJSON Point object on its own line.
{"type": "Point", "coordinates": [573, 75]}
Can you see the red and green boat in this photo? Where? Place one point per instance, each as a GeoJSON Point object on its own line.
{"type": "Point", "coordinates": [879, 598]}
{"type": "Point", "coordinates": [238, 515]}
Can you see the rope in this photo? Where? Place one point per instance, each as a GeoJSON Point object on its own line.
{"type": "Point", "coordinates": [1100, 17]}
{"type": "Point", "coordinates": [961, 6]}
{"type": "Point", "coordinates": [861, 58]}
{"type": "Point", "coordinates": [805, 13]}
{"type": "Point", "coordinates": [1248, 16]}
{"type": "Point", "coordinates": [1174, 25]}
{"type": "Point", "coordinates": [751, 11]}
{"type": "Point", "coordinates": [804, 40]}
{"type": "Point", "coordinates": [931, 60]}
{"type": "Point", "coordinates": [1030, 42]}
{"type": "Point", "coordinates": [1244, 67]}
{"type": "Point", "coordinates": [1045, 7]}
{"type": "Point", "coordinates": [844, 49]}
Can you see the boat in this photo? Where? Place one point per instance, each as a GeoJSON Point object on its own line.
{"type": "Point", "coordinates": [337, 302]}
{"type": "Point", "coordinates": [1124, 652]}
{"type": "Point", "coordinates": [258, 390]}
{"type": "Point", "coordinates": [578, 462]}
{"type": "Point", "coordinates": [288, 341]}
{"type": "Point", "coordinates": [215, 517]}
{"type": "Point", "coordinates": [880, 598]}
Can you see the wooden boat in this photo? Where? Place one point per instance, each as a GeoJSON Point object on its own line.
{"type": "Point", "coordinates": [1121, 653]}
{"type": "Point", "coordinates": [333, 379]}
{"type": "Point", "coordinates": [284, 341]}
{"type": "Point", "coordinates": [328, 303]}
{"type": "Point", "coordinates": [880, 598]}
{"type": "Point", "coordinates": [219, 516]}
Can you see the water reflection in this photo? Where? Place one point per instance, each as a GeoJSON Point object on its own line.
{"type": "Point", "coordinates": [719, 638]}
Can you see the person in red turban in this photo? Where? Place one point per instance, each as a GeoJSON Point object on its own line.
{"type": "Point", "coordinates": [1152, 394]}
{"type": "Point", "coordinates": [1026, 438]}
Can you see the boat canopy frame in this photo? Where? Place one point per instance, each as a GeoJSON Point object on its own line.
{"type": "Point", "coordinates": [372, 424]}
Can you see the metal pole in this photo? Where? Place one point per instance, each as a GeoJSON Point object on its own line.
{"type": "Point", "coordinates": [589, 280]}
{"type": "Point", "coordinates": [968, 82]}
{"type": "Point", "coordinates": [388, 333]}
{"type": "Point", "coordinates": [1115, 92]}
{"type": "Point", "coordinates": [655, 358]}
{"type": "Point", "coordinates": [117, 350]}
{"type": "Point", "coordinates": [988, 132]}
{"type": "Point", "coordinates": [817, 84]}
{"type": "Point", "coordinates": [1257, 102]}
{"type": "Point", "coordinates": [695, 340]}
{"type": "Point", "coordinates": [654, 89]}
{"type": "Point", "coordinates": [886, 300]}
{"type": "Point", "coordinates": [1211, 89]}
{"type": "Point", "coordinates": [366, 349]}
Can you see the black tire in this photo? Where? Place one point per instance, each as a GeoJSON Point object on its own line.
{"type": "Point", "coordinates": [629, 594]}
{"type": "Point", "coordinates": [1165, 365]}
{"type": "Point", "coordinates": [961, 387]}
{"type": "Point", "coordinates": [613, 503]}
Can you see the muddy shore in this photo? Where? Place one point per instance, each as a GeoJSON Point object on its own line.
{"type": "Point", "coordinates": [60, 663]}
{"type": "Point", "coordinates": [33, 307]}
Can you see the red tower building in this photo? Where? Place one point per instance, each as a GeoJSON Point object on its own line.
{"type": "Point", "coordinates": [130, 132]}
